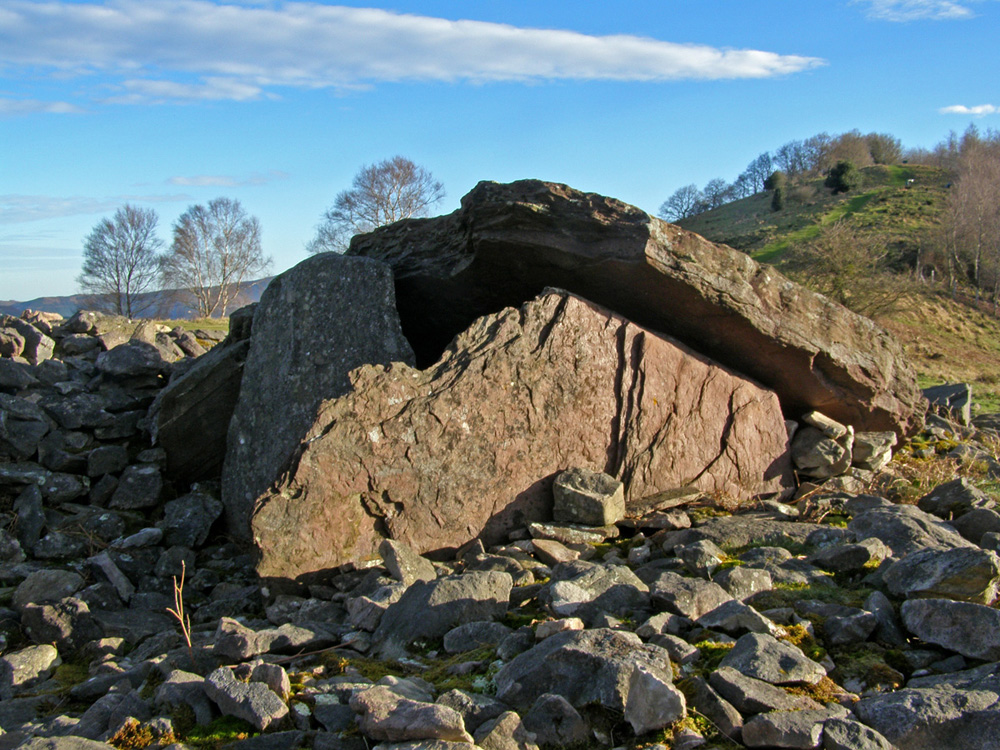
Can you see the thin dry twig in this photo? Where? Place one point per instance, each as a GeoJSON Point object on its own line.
{"type": "Point", "coordinates": [178, 611]}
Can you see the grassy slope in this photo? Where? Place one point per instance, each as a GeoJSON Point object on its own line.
{"type": "Point", "coordinates": [883, 202]}
{"type": "Point", "coordinates": [948, 341]}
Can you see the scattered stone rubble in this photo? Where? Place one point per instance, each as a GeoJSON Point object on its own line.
{"type": "Point", "coordinates": [681, 625]}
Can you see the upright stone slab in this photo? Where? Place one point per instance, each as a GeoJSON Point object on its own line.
{"type": "Point", "coordinates": [314, 324]}
{"type": "Point", "coordinates": [509, 241]}
{"type": "Point", "coordinates": [470, 446]}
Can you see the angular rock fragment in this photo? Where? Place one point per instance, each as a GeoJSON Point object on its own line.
{"type": "Point", "coordinates": [385, 715]}
{"type": "Point", "coordinates": [587, 497]}
{"type": "Point", "coordinates": [584, 666]}
{"type": "Point", "coordinates": [972, 630]}
{"type": "Point", "coordinates": [253, 702]}
{"type": "Point", "coordinates": [524, 393]}
{"type": "Point", "coordinates": [766, 658]}
{"type": "Point", "coordinates": [429, 609]}
{"type": "Point", "coordinates": [314, 324]}
{"type": "Point", "coordinates": [965, 574]}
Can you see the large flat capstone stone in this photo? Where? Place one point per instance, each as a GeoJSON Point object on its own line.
{"type": "Point", "coordinates": [509, 241]}
{"type": "Point", "coordinates": [470, 446]}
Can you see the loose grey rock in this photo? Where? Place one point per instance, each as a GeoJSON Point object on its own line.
{"type": "Point", "coordinates": [966, 574]}
{"type": "Point", "coordinates": [30, 516]}
{"type": "Point", "coordinates": [690, 597]}
{"type": "Point", "coordinates": [555, 722]}
{"type": "Point", "coordinates": [188, 519]}
{"type": "Point", "coordinates": [586, 590]}
{"type": "Point", "coordinates": [106, 459]}
{"type": "Point", "coordinates": [735, 618]}
{"type": "Point", "coordinates": [584, 666]}
{"type": "Point", "coordinates": [476, 709]}
{"type": "Point", "coordinates": [972, 630]}
{"type": "Point", "coordinates": [873, 450]}
{"type": "Point", "coordinates": [847, 734]}
{"type": "Point", "coordinates": [718, 710]}
{"type": "Point", "coordinates": [753, 696]}
{"type": "Point", "coordinates": [742, 582]}
{"type": "Point", "coordinates": [62, 743]}
{"type": "Point", "coordinates": [954, 498]}
{"type": "Point", "coordinates": [184, 689]}
{"type": "Point", "coordinates": [588, 497]}
{"type": "Point", "coordinates": [473, 635]}
{"type": "Point", "coordinates": [817, 455]}
{"type": "Point", "coordinates": [253, 702]}
{"type": "Point", "coordinates": [385, 715]}
{"type": "Point", "coordinates": [67, 624]}
{"type": "Point", "coordinates": [138, 487]}
{"type": "Point", "coordinates": [25, 667]}
{"type": "Point", "coordinates": [788, 729]}
{"type": "Point", "coordinates": [366, 611]}
{"type": "Point", "coordinates": [46, 585]}
{"type": "Point", "coordinates": [701, 558]}
{"type": "Point", "coordinates": [680, 650]}
{"type": "Point", "coordinates": [404, 564]}
{"type": "Point", "coordinates": [506, 732]}
{"type": "Point", "coordinates": [132, 359]}
{"type": "Point", "coordinates": [766, 658]}
{"type": "Point", "coordinates": [429, 609]}
{"type": "Point", "coordinates": [653, 702]}
{"type": "Point", "coordinates": [976, 523]}
{"type": "Point", "coordinates": [847, 558]}
{"type": "Point", "coordinates": [905, 529]}
{"type": "Point", "coordinates": [934, 718]}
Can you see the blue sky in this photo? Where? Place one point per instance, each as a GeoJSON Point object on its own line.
{"type": "Point", "coordinates": [169, 103]}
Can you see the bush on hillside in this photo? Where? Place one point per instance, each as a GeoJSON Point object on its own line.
{"type": "Point", "coordinates": [844, 177]}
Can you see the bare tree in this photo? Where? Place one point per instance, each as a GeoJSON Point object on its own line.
{"type": "Point", "coordinates": [852, 267]}
{"type": "Point", "coordinates": [381, 194]}
{"type": "Point", "coordinates": [683, 204]}
{"type": "Point", "coordinates": [717, 193]}
{"type": "Point", "coordinates": [215, 249]}
{"type": "Point", "coordinates": [759, 170]}
{"type": "Point", "coordinates": [120, 260]}
{"type": "Point", "coordinates": [973, 210]}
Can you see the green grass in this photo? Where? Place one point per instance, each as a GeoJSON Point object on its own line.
{"type": "Point", "coordinates": [884, 201]}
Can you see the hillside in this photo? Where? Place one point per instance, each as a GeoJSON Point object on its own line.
{"type": "Point", "coordinates": [885, 201]}
{"type": "Point", "coordinates": [949, 340]}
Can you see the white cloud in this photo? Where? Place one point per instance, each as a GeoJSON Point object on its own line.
{"type": "Point", "coordinates": [10, 107]}
{"type": "Point", "coordinates": [917, 10]}
{"type": "Point", "coordinates": [186, 50]}
{"type": "Point", "coordinates": [979, 110]}
{"type": "Point", "coordinates": [205, 180]}
{"type": "Point", "coordinates": [16, 209]}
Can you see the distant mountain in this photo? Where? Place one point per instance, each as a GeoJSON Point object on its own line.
{"type": "Point", "coordinates": [168, 304]}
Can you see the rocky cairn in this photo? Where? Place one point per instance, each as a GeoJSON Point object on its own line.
{"type": "Point", "coordinates": [552, 513]}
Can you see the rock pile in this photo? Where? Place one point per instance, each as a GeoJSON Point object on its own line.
{"type": "Point", "coordinates": [764, 628]}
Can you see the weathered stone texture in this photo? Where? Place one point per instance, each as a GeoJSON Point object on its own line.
{"type": "Point", "coordinates": [314, 324]}
{"type": "Point", "coordinates": [469, 446]}
{"type": "Point", "coordinates": [509, 241]}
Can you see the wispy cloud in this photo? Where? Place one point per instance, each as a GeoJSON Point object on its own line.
{"type": "Point", "coordinates": [17, 209]}
{"type": "Point", "coordinates": [206, 180]}
{"type": "Point", "coordinates": [9, 107]}
{"type": "Point", "coordinates": [978, 110]}
{"type": "Point", "coordinates": [918, 10]}
{"type": "Point", "coordinates": [191, 50]}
